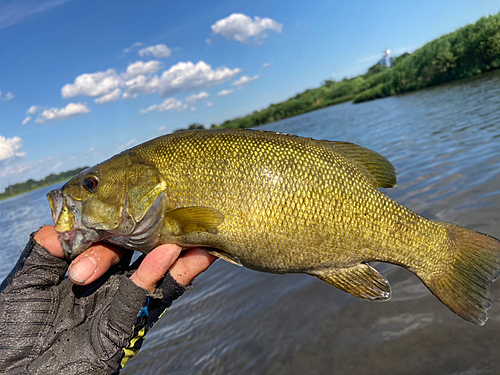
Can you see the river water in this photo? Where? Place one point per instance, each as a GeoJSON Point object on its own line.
{"type": "Point", "coordinates": [445, 145]}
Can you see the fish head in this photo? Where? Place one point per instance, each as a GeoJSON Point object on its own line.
{"type": "Point", "coordinates": [104, 202]}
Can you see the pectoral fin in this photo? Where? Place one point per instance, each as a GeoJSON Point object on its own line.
{"type": "Point", "coordinates": [194, 219]}
{"type": "Point", "coordinates": [225, 256]}
{"type": "Point", "coordinates": [362, 281]}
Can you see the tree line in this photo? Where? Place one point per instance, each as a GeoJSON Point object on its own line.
{"type": "Point", "coordinates": [51, 179]}
{"type": "Point", "coordinates": [467, 51]}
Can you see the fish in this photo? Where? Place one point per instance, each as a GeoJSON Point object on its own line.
{"type": "Point", "coordinates": [276, 203]}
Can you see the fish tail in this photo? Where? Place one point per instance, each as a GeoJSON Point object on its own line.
{"type": "Point", "coordinates": [462, 282]}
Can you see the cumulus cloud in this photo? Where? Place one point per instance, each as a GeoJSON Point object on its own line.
{"type": "Point", "coordinates": [159, 51]}
{"type": "Point", "coordinates": [186, 76]}
{"type": "Point", "coordinates": [7, 96]}
{"type": "Point", "coordinates": [140, 78]}
{"type": "Point", "coordinates": [168, 105]}
{"type": "Point", "coordinates": [128, 49]}
{"type": "Point", "coordinates": [241, 27]}
{"type": "Point", "coordinates": [224, 92]}
{"type": "Point", "coordinates": [95, 84]}
{"type": "Point", "coordinates": [32, 110]}
{"type": "Point", "coordinates": [111, 97]}
{"type": "Point", "coordinates": [195, 97]}
{"type": "Point", "coordinates": [26, 120]}
{"type": "Point", "coordinates": [10, 147]}
{"type": "Point", "coordinates": [244, 80]}
{"type": "Point", "coordinates": [141, 84]}
{"type": "Point", "coordinates": [55, 114]}
{"type": "Point", "coordinates": [209, 104]}
{"type": "Point", "coordinates": [141, 67]}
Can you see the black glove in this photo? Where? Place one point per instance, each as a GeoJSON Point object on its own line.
{"type": "Point", "coordinates": [49, 325]}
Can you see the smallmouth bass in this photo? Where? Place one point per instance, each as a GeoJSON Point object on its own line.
{"type": "Point", "coordinates": [275, 203]}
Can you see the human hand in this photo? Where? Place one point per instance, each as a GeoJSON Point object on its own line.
{"type": "Point", "coordinates": [95, 323]}
{"type": "Point", "coordinates": [100, 257]}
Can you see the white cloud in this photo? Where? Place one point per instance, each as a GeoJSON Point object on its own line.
{"type": "Point", "coordinates": [195, 97]}
{"type": "Point", "coordinates": [162, 128]}
{"type": "Point", "coordinates": [32, 110]}
{"type": "Point", "coordinates": [95, 84]}
{"type": "Point", "coordinates": [159, 51]}
{"type": "Point", "coordinates": [111, 97]}
{"type": "Point", "coordinates": [128, 49]}
{"type": "Point", "coordinates": [224, 92]}
{"type": "Point", "coordinates": [209, 104]}
{"type": "Point", "coordinates": [55, 114]}
{"type": "Point", "coordinates": [208, 41]}
{"type": "Point", "coordinates": [128, 144]}
{"type": "Point", "coordinates": [265, 65]}
{"type": "Point", "coordinates": [7, 97]}
{"type": "Point", "coordinates": [141, 67]}
{"type": "Point", "coordinates": [244, 80]}
{"type": "Point", "coordinates": [168, 105]}
{"type": "Point", "coordinates": [17, 11]}
{"type": "Point", "coordinates": [141, 85]}
{"type": "Point", "coordinates": [26, 120]}
{"type": "Point", "coordinates": [241, 27]}
{"type": "Point", "coordinates": [140, 78]}
{"type": "Point", "coordinates": [186, 76]}
{"type": "Point", "coordinates": [10, 147]}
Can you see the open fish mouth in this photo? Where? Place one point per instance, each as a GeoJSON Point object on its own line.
{"type": "Point", "coordinates": [67, 215]}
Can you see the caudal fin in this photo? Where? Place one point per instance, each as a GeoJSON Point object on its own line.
{"type": "Point", "coordinates": [463, 283]}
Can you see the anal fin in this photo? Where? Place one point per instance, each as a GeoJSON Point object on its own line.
{"type": "Point", "coordinates": [361, 280]}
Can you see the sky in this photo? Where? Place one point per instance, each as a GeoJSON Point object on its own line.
{"type": "Point", "coordinates": [81, 80]}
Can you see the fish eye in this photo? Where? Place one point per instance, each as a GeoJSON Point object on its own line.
{"type": "Point", "coordinates": [90, 183]}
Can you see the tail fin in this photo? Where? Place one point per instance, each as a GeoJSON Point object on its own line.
{"type": "Point", "coordinates": [465, 285]}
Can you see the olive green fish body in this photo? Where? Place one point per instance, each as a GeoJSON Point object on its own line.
{"type": "Point", "coordinates": [276, 203]}
{"type": "Point", "coordinates": [306, 207]}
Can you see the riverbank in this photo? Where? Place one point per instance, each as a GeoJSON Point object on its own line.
{"type": "Point", "coordinates": [466, 52]}
{"type": "Point", "coordinates": [31, 185]}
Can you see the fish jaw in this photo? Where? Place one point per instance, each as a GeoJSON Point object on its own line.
{"type": "Point", "coordinates": [67, 214]}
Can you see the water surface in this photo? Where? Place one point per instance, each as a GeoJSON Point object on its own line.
{"type": "Point", "coordinates": [445, 145]}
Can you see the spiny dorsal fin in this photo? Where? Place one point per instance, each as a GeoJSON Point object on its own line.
{"type": "Point", "coordinates": [378, 169]}
{"type": "Point", "coordinates": [361, 280]}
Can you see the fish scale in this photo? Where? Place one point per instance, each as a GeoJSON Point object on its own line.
{"type": "Point", "coordinates": [275, 203]}
{"type": "Point", "coordinates": [317, 196]}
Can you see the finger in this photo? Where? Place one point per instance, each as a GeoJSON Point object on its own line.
{"type": "Point", "coordinates": [155, 265]}
{"type": "Point", "coordinates": [190, 265]}
{"type": "Point", "coordinates": [47, 237]}
{"type": "Point", "coordinates": [93, 263]}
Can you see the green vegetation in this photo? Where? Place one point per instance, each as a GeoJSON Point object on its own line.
{"type": "Point", "coordinates": [30, 185]}
{"type": "Point", "coordinates": [467, 51]}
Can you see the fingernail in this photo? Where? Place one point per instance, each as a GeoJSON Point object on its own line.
{"type": "Point", "coordinates": [83, 269]}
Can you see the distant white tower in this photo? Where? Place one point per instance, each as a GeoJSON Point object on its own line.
{"type": "Point", "coordinates": [386, 58]}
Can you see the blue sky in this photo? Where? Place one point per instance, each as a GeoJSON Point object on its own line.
{"type": "Point", "coordinates": [80, 80]}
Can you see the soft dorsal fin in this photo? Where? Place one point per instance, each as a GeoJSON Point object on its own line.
{"type": "Point", "coordinates": [378, 169]}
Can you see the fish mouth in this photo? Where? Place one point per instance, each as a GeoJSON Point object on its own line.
{"type": "Point", "coordinates": [75, 238]}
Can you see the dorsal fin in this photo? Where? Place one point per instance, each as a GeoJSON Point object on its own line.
{"type": "Point", "coordinates": [378, 169]}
